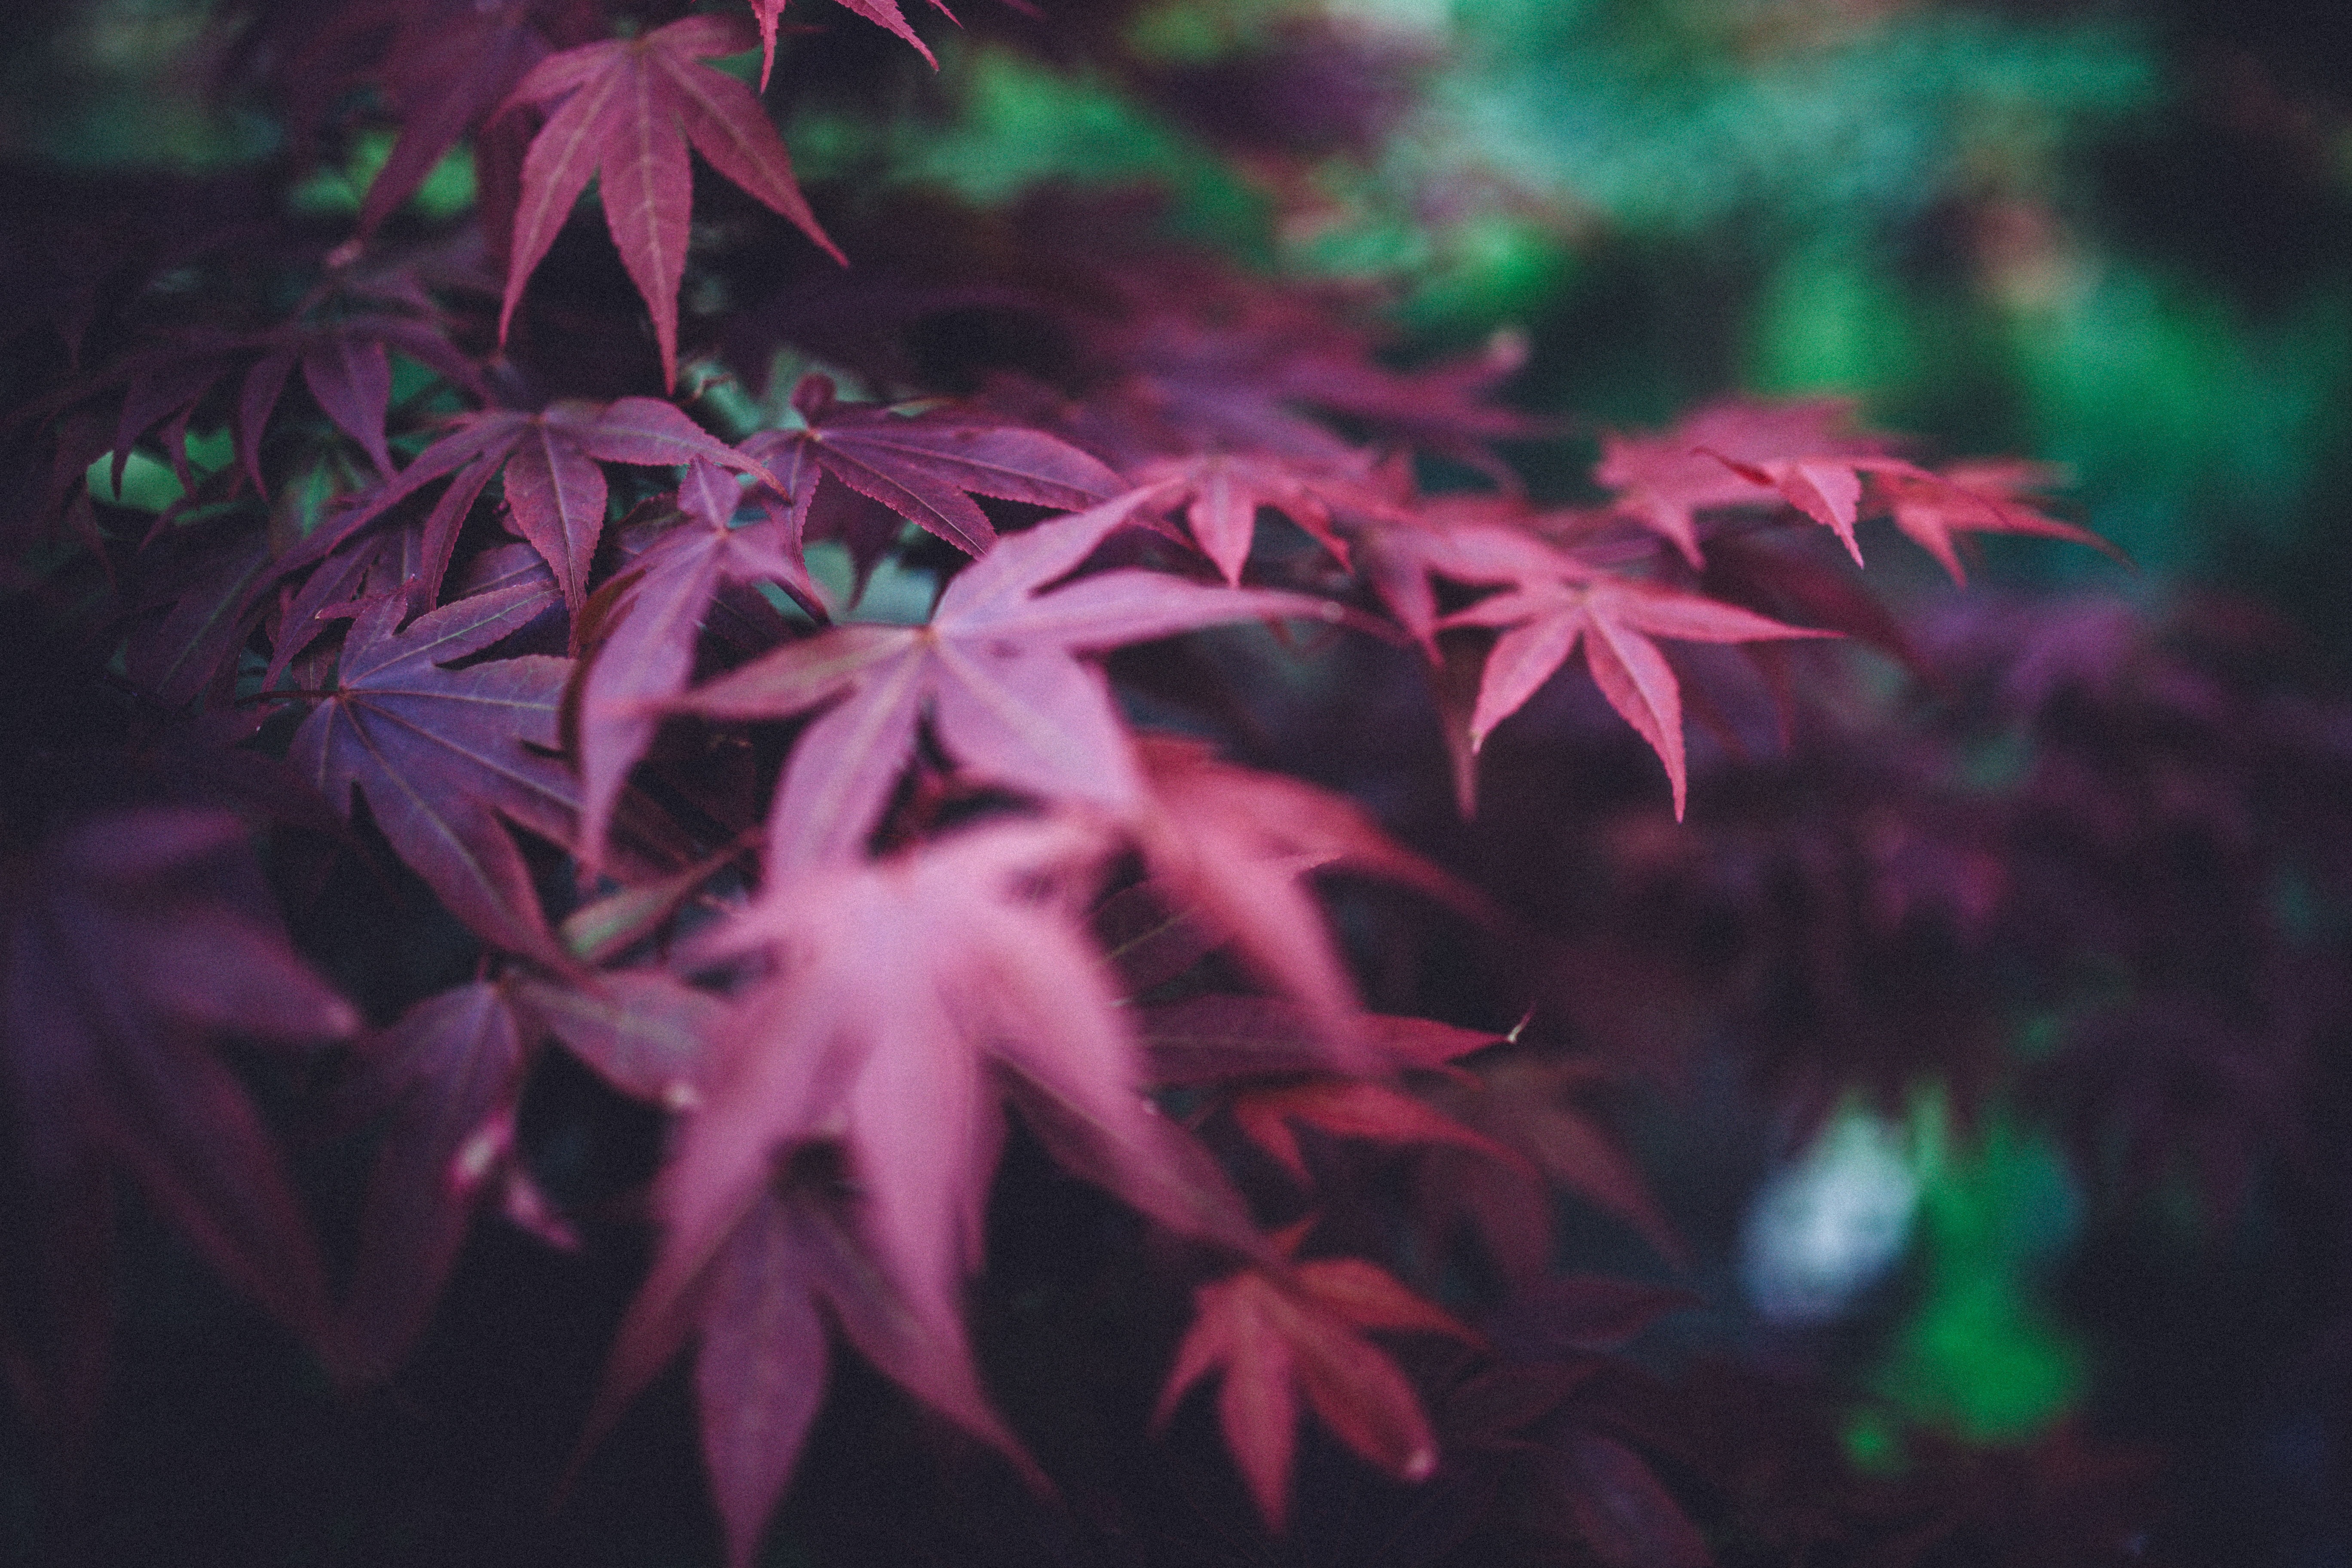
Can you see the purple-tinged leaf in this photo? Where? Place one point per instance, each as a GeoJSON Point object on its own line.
{"type": "Point", "coordinates": [128, 944]}
{"type": "Point", "coordinates": [644, 1033]}
{"type": "Point", "coordinates": [449, 1071]}
{"type": "Point", "coordinates": [351, 379]}
{"type": "Point", "coordinates": [644, 650]}
{"type": "Point", "coordinates": [442, 754]}
{"type": "Point", "coordinates": [926, 467]}
{"type": "Point", "coordinates": [760, 1374]}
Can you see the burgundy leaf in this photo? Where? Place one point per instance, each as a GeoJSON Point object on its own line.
{"type": "Point", "coordinates": [1715, 458]}
{"type": "Point", "coordinates": [1206, 1038]}
{"type": "Point", "coordinates": [645, 648]}
{"type": "Point", "coordinates": [625, 111]}
{"type": "Point", "coordinates": [129, 943]}
{"type": "Point", "coordinates": [644, 1033]}
{"type": "Point", "coordinates": [1276, 1339]}
{"type": "Point", "coordinates": [554, 491]}
{"type": "Point", "coordinates": [351, 379]}
{"type": "Point", "coordinates": [1344, 1109]}
{"type": "Point", "coordinates": [448, 66]}
{"type": "Point", "coordinates": [442, 755]}
{"type": "Point", "coordinates": [449, 1071]}
{"type": "Point", "coordinates": [926, 467]}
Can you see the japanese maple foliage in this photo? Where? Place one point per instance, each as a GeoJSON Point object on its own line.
{"type": "Point", "coordinates": [892, 781]}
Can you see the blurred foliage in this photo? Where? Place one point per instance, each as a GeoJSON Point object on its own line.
{"type": "Point", "coordinates": [2114, 236]}
{"type": "Point", "coordinates": [2117, 237]}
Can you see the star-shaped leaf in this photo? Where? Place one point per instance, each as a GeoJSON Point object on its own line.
{"type": "Point", "coordinates": [945, 979]}
{"type": "Point", "coordinates": [625, 111]}
{"type": "Point", "coordinates": [1222, 492]}
{"type": "Point", "coordinates": [1984, 496]}
{"type": "Point", "coordinates": [926, 467]}
{"type": "Point", "coordinates": [1278, 1335]}
{"type": "Point", "coordinates": [883, 13]}
{"type": "Point", "coordinates": [1616, 620]}
{"type": "Point", "coordinates": [442, 754]}
{"type": "Point", "coordinates": [996, 671]}
{"type": "Point", "coordinates": [1736, 454]}
{"type": "Point", "coordinates": [555, 491]}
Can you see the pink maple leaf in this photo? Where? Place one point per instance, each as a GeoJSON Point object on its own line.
{"type": "Point", "coordinates": [996, 671]}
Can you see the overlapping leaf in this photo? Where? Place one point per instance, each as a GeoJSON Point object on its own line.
{"type": "Point", "coordinates": [1231, 847]}
{"type": "Point", "coordinates": [449, 1073]}
{"type": "Point", "coordinates": [129, 945]}
{"type": "Point", "coordinates": [644, 642]}
{"type": "Point", "coordinates": [1983, 497]}
{"type": "Point", "coordinates": [624, 112]}
{"type": "Point", "coordinates": [1278, 1336]}
{"type": "Point", "coordinates": [1223, 491]}
{"type": "Point", "coordinates": [883, 13]}
{"type": "Point", "coordinates": [442, 755]}
{"type": "Point", "coordinates": [1711, 459]}
{"type": "Point", "coordinates": [945, 979]}
{"type": "Point", "coordinates": [1528, 1105]}
{"type": "Point", "coordinates": [448, 66]}
{"type": "Point", "coordinates": [1615, 619]}
{"type": "Point", "coordinates": [1748, 454]}
{"type": "Point", "coordinates": [1356, 1109]}
{"type": "Point", "coordinates": [925, 466]}
{"type": "Point", "coordinates": [554, 490]}
{"type": "Point", "coordinates": [996, 671]}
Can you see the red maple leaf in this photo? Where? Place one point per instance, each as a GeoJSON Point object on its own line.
{"type": "Point", "coordinates": [1223, 491]}
{"type": "Point", "coordinates": [1615, 619]}
{"type": "Point", "coordinates": [129, 944]}
{"type": "Point", "coordinates": [338, 338]}
{"type": "Point", "coordinates": [450, 1073]}
{"type": "Point", "coordinates": [948, 979]}
{"type": "Point", "coordinates": [554, 490]}
{"type": "Point", "coordinates": [797, 1257]}
{"type": "Point", "coordinates": [997, 672]}
{"type": "Point", "coordinates": [1230, 846]}
{"type": "Point", "coordinates": [1527, 1104]}
{"type": "Point", "coordinates": [1279, 1333]}
{"type": "Point", "coordinates": [447, 67]}
{"type": "Point", "coordinates": [1400, 558]}
{"type": "Point", "coordinates": [924, 465]}
{"type": "Point", "coordinates": [883, 13]}
{"type": "Point", "coordinates": [1747, 453]}
{"type": "Point", "coordinates": [1735, 454]}
{"type": "Point", "coordinates": [1981, 497]}
{"type": "Point", "coordinates": [1343, 1108]}
{"type": "Point", "coordinates": [625, 111]}
{"type": "Point", "coordinates": [1215, 1038]}
{"type": "Point", "coordinates": [644, 641]}
{"type": "Point", "coordinates": [442, 754]}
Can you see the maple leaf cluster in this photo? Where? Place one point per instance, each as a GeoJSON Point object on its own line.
{"type": "Point", "coordinates": [829, 763]}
